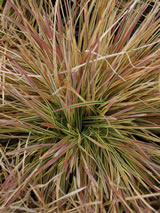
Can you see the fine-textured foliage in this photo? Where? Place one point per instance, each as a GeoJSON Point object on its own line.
{"type": "Point", "coordinates": [80, 106]}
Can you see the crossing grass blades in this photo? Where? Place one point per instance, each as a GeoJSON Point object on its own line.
{"type": "Point", "coordinates": [80, 106]}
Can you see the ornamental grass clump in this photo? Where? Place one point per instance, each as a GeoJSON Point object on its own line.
{"type": "Point", "coordinates": [80, 106]}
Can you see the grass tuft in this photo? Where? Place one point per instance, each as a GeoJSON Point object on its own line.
{"type": "Point", "coordinates": [79, 106]}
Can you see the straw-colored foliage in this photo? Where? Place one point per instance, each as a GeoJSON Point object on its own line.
{"type": "Point", "coordinates": [79, 107]}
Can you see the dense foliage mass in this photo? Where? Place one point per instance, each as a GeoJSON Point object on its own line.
{"type": "Point", "coordinates": [79, 106]}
